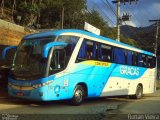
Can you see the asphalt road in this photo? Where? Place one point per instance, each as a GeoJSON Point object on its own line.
{"type": "Point", "coordinates": [92, 109]}
{"type": "Point", "coordinates": [147, 108]}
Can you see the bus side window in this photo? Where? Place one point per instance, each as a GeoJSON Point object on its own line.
{"type": "Point", "coordinates": [105, 53]}
{"type": "Point", "coordinates": [95, 55]}
{"type": "Point", "coordinates": [134, 59]}
{"type": "Point", "coordinates": [140, 60]}
{"type": "Point", "coordinates": [82, 52]}
{"type": "Point", "coordinates": [154, 62]}
{"type": "Point", "coordinates": [57, 61]}
{"type": "Point", "coordinates": [151, 62]}
{"type": "Point", "coordinates": [144, 59]}
{"type": "Point", "coordinates": [129, 58]}
{"type": "Point", "coordinates": [119, 56]}
{"type": "Point", "coordinates": [88, 51]}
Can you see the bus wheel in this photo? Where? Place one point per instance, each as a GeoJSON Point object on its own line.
{"type": "Point", "coordinates": [139, 92]}
{"type": "Point", "coordinates": [78, 95]}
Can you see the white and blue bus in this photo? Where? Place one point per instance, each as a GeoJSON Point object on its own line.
{"type": "Point", "coordinates": [75, 64]}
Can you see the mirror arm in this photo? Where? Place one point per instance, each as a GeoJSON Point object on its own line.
{"type": "Point", "coordinates": [7, 49]}
{"type": "Point", "coordinates": [48, 46]}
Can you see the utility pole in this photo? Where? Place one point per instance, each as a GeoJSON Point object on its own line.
{"type": "Point", "coordinates": [119, 19]}
{"type": "Point", "coordinates": [156, 36]}
{"type": "Point", "coordinates": [13, 8]}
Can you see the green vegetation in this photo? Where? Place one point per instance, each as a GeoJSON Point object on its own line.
{"type": "Point", "coordinates": [46, 14]}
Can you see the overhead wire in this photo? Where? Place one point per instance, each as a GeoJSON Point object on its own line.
{"type": "Point", "coordinates": [104, 13]}
{"type": "Point", "coordinates": [108, 19]}
{"type": "Point", "coordinates": [100, 11]}
{"type": "Point", "coordinates": [147, 29]}
{"type": "Point", "coordinates": [110, 7]}
{"type": "Point", "coordinates": [150, 44]}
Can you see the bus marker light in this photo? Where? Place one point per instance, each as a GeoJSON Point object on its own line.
{"type": "Point", "coordinates": [65, 82]}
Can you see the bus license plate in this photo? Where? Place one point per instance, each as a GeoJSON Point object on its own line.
{"type": "Point", "coordinates": [20, 94]}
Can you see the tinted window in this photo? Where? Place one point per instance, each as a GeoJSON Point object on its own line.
{"type": "Point", "coordinates": [134, 58]}
{"type": "Point", "coordinates": [72, 41]}
{"type": "Point", "coordinates": [91, 50]}
{"type": "Point", "coordinates": [88, 51]}
{"type": "Point", "coordinates": [105, 53]}
{"type": "Point", "coordinates": [151, 61]}
{"type": "Point", "coordinates": [129, 57]}
{"type": "Point", "coordinates": [144, 59]}
{"type": "Point", "coordinates": [140, 61]}
{"type": "Point", "coordinates": [57, 61]}
{"type": "Point", "coordinates": [119, 56]}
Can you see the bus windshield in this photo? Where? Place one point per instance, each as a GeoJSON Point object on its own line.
{"type": "Point", "coordinates": [29, 62]}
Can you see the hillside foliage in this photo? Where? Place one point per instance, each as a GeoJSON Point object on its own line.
{"type": "Point", "coordinates": [47, 14]}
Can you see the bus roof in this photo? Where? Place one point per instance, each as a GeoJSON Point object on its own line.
{"type": "Point", "coordinates": [53, 33]}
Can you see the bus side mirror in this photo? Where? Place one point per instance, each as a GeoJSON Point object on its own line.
{"type": "Point", "coordinates": [4, 52]}
{"type": "Point", "coordinates": [48, 46]}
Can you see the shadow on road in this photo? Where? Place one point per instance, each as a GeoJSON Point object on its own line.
{"type": "Point", "coordinates": [96, 108]}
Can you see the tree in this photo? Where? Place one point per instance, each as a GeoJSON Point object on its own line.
{"type": "Point", "coordinates": [29, 11]}
{"type": "Point", "coordinates": [2, 7]}
{"type": "Point", "coordinates": [129, 41]}
{"type": "Point", "coordinates": [74, 13]}
{"type": "Point", "coordinates": [13, 8]}
{"type": "Point", "coordinates": [52, 19]}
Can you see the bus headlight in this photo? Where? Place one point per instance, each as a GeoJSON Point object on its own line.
{"type": "Point", "coordinates": [42, 84]}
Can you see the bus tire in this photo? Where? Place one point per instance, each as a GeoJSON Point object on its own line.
{"type": "Point", "coordinates": [139, 92]}
{"type": "Point", "coordinates": [78, 96]}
